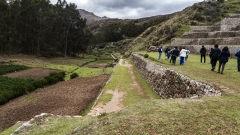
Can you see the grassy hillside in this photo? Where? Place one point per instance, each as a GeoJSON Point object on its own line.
{"type": "Point", "coordinates": [162, 29]}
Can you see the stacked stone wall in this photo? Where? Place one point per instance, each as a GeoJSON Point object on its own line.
{"type": "Point", "coordinates": [169, 84]}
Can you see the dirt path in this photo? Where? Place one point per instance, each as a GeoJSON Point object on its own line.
{"type": "Point", "coordinates": [115, 104]}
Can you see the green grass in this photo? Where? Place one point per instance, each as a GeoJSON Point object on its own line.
{"type": "Point", "coordinates": [70, 65]}
{"type": "Point", "coordinates": [146, 114]}
{"type": "Point", "coordinates": [202, 72]}
{"type": "Point", "coordinates": [122, 81]}
{"type": "Point", "coordinates": [106, 98]}
{"type": "Point", "coordinates": [30, 99]}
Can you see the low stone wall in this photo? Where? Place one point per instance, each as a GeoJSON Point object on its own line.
{"type": "Point", "coordinates": [169, 84]}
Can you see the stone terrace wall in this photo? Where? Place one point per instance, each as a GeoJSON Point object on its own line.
{"type": "Point", "coordinates": [170, 84]}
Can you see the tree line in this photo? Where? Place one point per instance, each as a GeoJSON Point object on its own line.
{"type": "Point", "coordinates": [38, 27]}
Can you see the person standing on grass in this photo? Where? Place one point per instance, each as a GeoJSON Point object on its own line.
{"type": "Point", "coordinates": [187, 52]}
{"type": "Point", "coordinates": [166, 53]}
{"type": "Point", "coordinates": [160, 52]}
{"type": "Point", "coordinates": [171, 51]}
{"type": "Point", "coordinates": [223, 59]}
{"type": "Point", "coordinates": [210, 56]}
{"type": "Point", "coordinates": [214, 56]}
{"type": "Point", "coordinates": [237, 54]}
{"type": "Point", "coordinates": [203, 52]}
{"type": "Point", "coordinates": [183, 54]}
{"type": "Point", "coordinates": [175, 54]}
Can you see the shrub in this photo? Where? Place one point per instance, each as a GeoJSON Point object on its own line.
{"type": "Point", "coordinates": [146, 55]}
{"type": "Point", "coordinates": [73, 75]}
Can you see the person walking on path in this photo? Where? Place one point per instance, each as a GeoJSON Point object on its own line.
{"type": "Point", "coordinates": [237, 54]}
{"type": "Point", "coordinates": [223, 59]}
{"type": "Point", "coordinates": [214, 56]}
{"type": "Point", "coordinates": [183, 54]}
{"type": "Point", "coordinates": [203, 52]}
{"type": "Point", "coordinates": [175, 54]}
{"type": "Point", "coordinates": [160, 52]}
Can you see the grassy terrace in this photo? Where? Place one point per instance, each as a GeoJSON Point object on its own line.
{"type": "Point", "coordinates": [202, 72]}
{"type": "Point", "coordinates": [211, 115]}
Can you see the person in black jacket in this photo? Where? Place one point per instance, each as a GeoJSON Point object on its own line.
{"type": "Point", "coordinates": [175, 54]}
{"type": "Point", "coordinates": [237, 54]}
{"type": "Point", "coordinates": [214, 56]}
{"type": "Point", "coordinates": [203, 52]}
{"type": "Point", "coordinates": [223, 59]}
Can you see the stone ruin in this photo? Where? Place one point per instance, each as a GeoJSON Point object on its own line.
{"type": "Point", "coordinates": [169, 84]}
{"type": "Point", "coordinates": [225, 33]}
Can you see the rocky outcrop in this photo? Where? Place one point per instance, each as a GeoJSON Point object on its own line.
{"type": "Point", "coordinates": [91, 17]}
{"type": "Point", "coordinates": [169, 84]}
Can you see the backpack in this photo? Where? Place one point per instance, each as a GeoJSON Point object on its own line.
{"type": "Point", "coordinates": [160, 50]}
{"type": "Point", "coordinates": [215, 53]}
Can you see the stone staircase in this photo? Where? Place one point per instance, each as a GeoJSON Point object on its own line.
{"type": "Point", "coordinates": [225, 33]}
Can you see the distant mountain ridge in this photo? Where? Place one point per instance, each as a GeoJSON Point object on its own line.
{"type": "Point", "coordinates": [91, 17]}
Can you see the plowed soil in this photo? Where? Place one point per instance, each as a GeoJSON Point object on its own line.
{"type": "Point", "coordinates": [64, 98]}
{"type": "Point", "coordinates": [32, 73]}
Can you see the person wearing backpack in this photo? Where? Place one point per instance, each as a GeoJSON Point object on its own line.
{"type": "Point", "coordinates": [223, 59]}
{"type": "Point", "coordinates": [237, 54]}
{"type": "Point", "coordinates": [160, 52]}
{"type": "Point", "coordinates": [214, 56]}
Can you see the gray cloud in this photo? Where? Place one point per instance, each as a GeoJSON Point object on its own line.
{"type": "Point", "coordinates": [131, 9]}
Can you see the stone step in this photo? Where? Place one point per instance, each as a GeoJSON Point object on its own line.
{"type": "Point", "coordinates": [204, 28]}
{"type": "Point", "coordinates": [207, 41]}
{"type": "Point", "coordinates": [234, 16]}
{"type": "Point", "coordinates": [216, 34]}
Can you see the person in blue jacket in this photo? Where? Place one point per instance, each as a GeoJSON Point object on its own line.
{"type": "Point", "coordinates": [237, 54]}
{"type": "Point", "coordinates": [160, 52]}
{"type": "Point", "coordinates": [223, 59]}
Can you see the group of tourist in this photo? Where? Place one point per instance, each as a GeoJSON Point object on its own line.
{"type": "Point", "coordinates": [172, 54]}
{"type": "Point", "coordinates": [215, 55]}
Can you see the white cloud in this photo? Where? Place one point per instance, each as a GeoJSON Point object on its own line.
{"type": "Point", "coordinates": [126, 9]}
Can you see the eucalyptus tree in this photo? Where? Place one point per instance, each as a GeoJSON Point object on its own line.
{"type": "Point", "coordinates": [3, 25]}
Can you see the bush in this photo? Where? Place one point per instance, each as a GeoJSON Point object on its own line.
{"type": "Point", "coordinates": [146, 55]}
{"type": "Point", "coordinates": [73, 75]}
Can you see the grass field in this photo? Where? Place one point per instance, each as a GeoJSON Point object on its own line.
{"type": "Point", "coordinates": [194, 69]}
{"type": "Point", "coordinates": [211, 115]}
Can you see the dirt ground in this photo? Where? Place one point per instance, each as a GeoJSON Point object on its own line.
{"type": "Point", "coordinates": [115, 104]}
{"type": "Point", "coordinates": [64, 98]}
{"type": "Point", "coordinates": [33, 73]}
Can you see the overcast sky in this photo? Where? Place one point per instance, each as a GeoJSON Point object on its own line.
{"type": "Point", "coordinates": [131, 9]}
